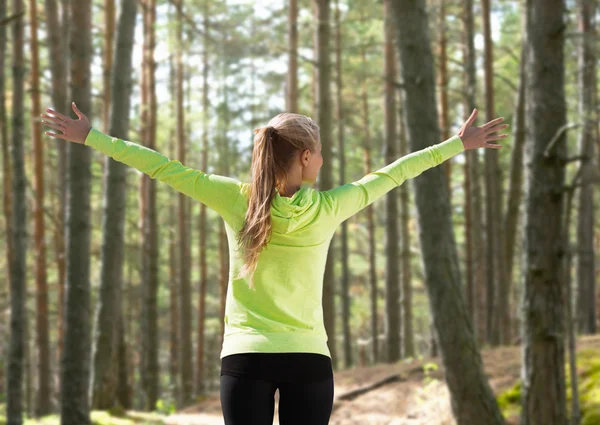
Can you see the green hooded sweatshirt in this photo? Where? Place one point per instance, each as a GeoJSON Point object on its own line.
{"type": "Point", "coordinates": [283, 313]}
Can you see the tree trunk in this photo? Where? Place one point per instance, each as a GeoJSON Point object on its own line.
{"type": "Point", "coordinates": [44, 405]}
{"type": "Point", "coordinates": [326, 175]}
{"type": "Point", "coordinates": [474, 196]}
{"type": "Point", "coordinates": [150, 365]}
{"type": "Point", "coordinates": [392, 284]}
{"type": "Point", "coordinates": [370, 217]}
{"type": "Point", "coordinates": [495, 294]}
{"type": "Point", "coordinates": [76, 353]}
{"type": "Point", "coordinates": [543, 391]}
{"type": "Point", "coordinates": [570, 322]}
{"type": "Point", "coordinates": [105, 349]}
{"type": "Point", "coordinates": [6, 180]}
{"type": "Point", "coordinates": [292, 88]}
{"type": "Point", "coordinates": [586, 271]}
{"type": "Point", "coordinates": [201, 347]}
{"type": "Point", "coordinates": [58, 35]}
{"type": "Point", "coordinates": [443, 83]}
{"type": "Point", "coordinates": [173, 275]}
{"type": "Point", "coordinates": [185, 308]}
{"type": "Point", "coordinates": [515, 191]}
{"type": "Point", "coordinates": [109, 30]}
{"type": "Point", "coordinates": [345, 278]}
{"type": "Point", "coordinates": [473, 402]}
{"type": "Point", "coordinates": [407, 307]}
{"type": "Point", "coordinates": [18, 282]}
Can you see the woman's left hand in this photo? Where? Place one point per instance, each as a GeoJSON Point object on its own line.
{"type": "Point", "coordinates": [72, 130]}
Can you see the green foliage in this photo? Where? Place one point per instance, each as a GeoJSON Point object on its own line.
{"type": "Point", "coordinates": [166, 406]}
{"type": "Point", "coordinates": [588, 371]}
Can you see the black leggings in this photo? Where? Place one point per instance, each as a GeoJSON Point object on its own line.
{"type": "Point", "coordinates": [249, 382]}
{"type": "Point", "coordinates": [248, 401]}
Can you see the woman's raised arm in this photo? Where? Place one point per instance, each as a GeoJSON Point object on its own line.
{"type": "Point", "coordinates": [348, 199]}
{"type": "Point", "coordinates": [216, 192]}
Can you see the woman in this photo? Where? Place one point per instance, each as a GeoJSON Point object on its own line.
{"type": "Point", "coordinates": [279, 235]}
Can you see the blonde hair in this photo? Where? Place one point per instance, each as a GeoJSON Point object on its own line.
{"type": "Point", "coordinates": [275, 146]}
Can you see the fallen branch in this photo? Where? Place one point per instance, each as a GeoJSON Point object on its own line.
{"type": "Point", "coordinates": [351, 395]}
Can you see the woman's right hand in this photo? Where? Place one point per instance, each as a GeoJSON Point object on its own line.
{"type": "Point", "coordinates": [478, 137]}
{"type": "Point", "coordinates": [72, 130]}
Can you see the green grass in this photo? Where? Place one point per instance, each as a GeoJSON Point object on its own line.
{"type": "Point", "coordinates": [588, 373]}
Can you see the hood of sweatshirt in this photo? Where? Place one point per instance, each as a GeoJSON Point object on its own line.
{"type": "Point", "coordinates": [289, 214]}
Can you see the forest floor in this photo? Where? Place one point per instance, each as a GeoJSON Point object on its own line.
{"type": "Point", "coordinates": [409, 393]}
{"type": "Point", "coordinates": [404, 393]}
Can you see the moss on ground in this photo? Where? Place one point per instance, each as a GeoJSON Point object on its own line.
{"type": "Point", "coordinates": [588, 373]}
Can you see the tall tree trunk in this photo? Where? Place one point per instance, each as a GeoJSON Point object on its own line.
{"type": "Point", "coordinates": [543, 394]}
{"type": "Point", "coordinates": [109, 30]}
{"type": "Point", "coordinates": [44, 405]}
{"type": "Point", "coordinates": [6, 180]}
{"type": "Point", "coordinates": [491, 201]}
{"type": "Point", "coordinates": [292, 88]}
{"type": "Point", "coordinates": [185, 319]}
{"type": "Point", "coordinates": [515, 191]}
{"type": "Point", "coordinates": [392, 284]}
{"type": "Point", "coordinates": [570, 322]}
{"type": "Point", "coordinates": [345, 278]}
{"type": "Point", "coordinates": [150, 366]}
{"type": "Point", "coordinates": [586, 271]}
{"type": "Point", "coordinates": [407, 308]}
{"type": "Point", "coordinates": [58, 35]}
{"type": "Point", "coordinates": [473, 402]}
{"type": "Point", "coordinates": [18, 282]}
{"type": "Point", "coordinates": [474, 203]}
{"type": "Point", "coordinates": [443, 83]}
{"type": "Point", "coordinates": [326, 175]}
{"type": "Point", "coordinates": [173, 275]}
{"type": "Point", "coordinates": [223, 151]}
{"type": "Point", "coordinates": [76, 354]}
{"type": "Point", "coordinates": [201, 346]}
{"type": "Point", "coordinates": [108, 313]}
{"type": "Point", "coordinates": [370, 217]}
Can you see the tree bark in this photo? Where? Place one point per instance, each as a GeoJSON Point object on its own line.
{"type": "Point", "coordinates": [104, 379]}
{"type": "Point", "coordinates": [392, 284]}
{"type": "Point", "coordinates": [515, 190]}
{"type": "Point", "coordinates": [6, 179]}
{"type": "Point", "coordinates": [543, 389]}
{"type": "Point", "coordinates": [44, 405]}
{"type": "Point", "coordinates": [58, 35]}
{"type": "Point", "coordinates": [18, 282]}
{"type": "Point", "coordinates": [76, 353]}
{"type": "Point", "coordinates": [150, 366]}
{"type": "Point", "coordinates": [201, 347]}
{"type": "Point", "coordinates": [292, 88]}
{"type": "Point", "coordinates": [586, 268]}
{"type": "Point", "coordinates": [474, 197]}
{"type": "Point", "coordinates": [473, 402]}
{"type": "Point", "coordinates": [326, 175]}
{"type": "Point", "coordinates": [185, 307]}
{"type": "Point", "coordinates": [345, 278]}
{"type": "Point", "coordinates": [407, 307]}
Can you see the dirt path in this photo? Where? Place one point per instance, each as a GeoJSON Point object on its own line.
{"type": "Point", "coordinates": [418, 399]}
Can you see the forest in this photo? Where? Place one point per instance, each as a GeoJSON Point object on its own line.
{"type": "Point", "coordinates": [467, 296]}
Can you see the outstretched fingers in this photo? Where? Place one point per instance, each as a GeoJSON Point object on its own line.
{"type": "Point", "coordinates": [58, 115]}
{"type": "Point", "coordinates": [53, 125]}
{"type": "Point", "coordinates": [58, 136]}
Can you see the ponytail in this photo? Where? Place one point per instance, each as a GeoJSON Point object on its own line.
{"type": "Point", "coordinates": [257, 229]}
{"type": "Point", "coordinates": [275, 147]}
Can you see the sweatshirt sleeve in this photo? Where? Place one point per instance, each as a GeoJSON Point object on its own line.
{"type": "Point", "coordinates": [348, 199]}
{"type": "Point", "coordinates": [216, 192]}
